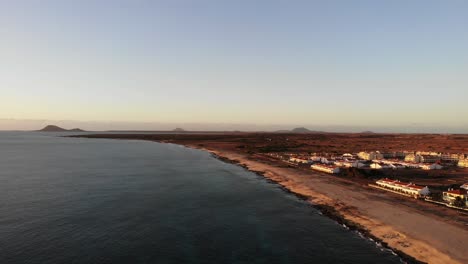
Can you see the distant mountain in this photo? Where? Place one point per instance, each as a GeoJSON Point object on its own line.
{"type": "Point", "coordinates": [178, 129]}
{"type": "Point", "coordinates": [367, 132]}
{"type": "Point", "coordinates": [299, 130]}
{"type": "Point", "coordinates": [52, 128]}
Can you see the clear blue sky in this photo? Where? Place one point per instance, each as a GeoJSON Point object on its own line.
{"type": "Point", "coordinates": [312, 63]}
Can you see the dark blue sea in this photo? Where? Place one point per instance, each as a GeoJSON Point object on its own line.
{"type": "Point", "coordinates": [71, 200]}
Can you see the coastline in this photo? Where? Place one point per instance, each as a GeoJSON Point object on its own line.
{"type": "Point", "coordinates": [410, 249]}
{"type": "Point", "coordinates": [417, 231]}
{"type": "Point", "coordinates": [326, 210]}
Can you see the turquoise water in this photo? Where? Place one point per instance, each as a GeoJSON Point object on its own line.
{"type": "Point", "coordinates": [70, 200]}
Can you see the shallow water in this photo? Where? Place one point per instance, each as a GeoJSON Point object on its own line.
{"type": "Point", "coordinates": [70, 200]}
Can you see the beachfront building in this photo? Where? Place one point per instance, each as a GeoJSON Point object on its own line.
{"type": "Point", "coordinates": [429, 159]}
{"type": "Point", "coordinates": [411, 158]}
{"type": "Point", "coordinates": [434, 166]}
{"type": "Point", "coordinates": [325, 168]}
{"type": "Point", "coordinates": [411, 165]}
{"type": "Point", "coordinates": [374, 155]}
{"type": "Point", "coordinates": [403, 187]}
{"type": "Point", "coordinates": [447, 157]}
{"type": "Point", "coordinates": [418, 158]}
{"type": "Point", "coordinates": [451, 195]}
{"type": "Point", "coordinates": [463, 162]}
{"type": "Point", "coordinates": [350, 164]}
{"type": "Point", "coordinates": [392, 164]}
{"type": "Point", "coordinates": [378, 166]}
{"type": "Point", "coordinates": [300, 160]}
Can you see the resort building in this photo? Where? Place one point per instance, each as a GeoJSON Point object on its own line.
{"type": "Point", "coordinates": [325, 168]}
{"type": "Point", "coordinates": [418, 158]}
{"type": "Point", "coordinates": [349, 164]}
{"type": "Point", "coordinates": [447, 157]}
{"type": "Point", "coordinates": [434, 166]}
{"type": "Point", "coordinates": [451, 196]}
{"type": "Point", "coordinates": [411, 158]}
{"type": "Point", "coordinates": [370, 155]}
{"type": "Point", "coordinates": [463, 163]}
{"type": "Point", "coordinates": [300, 160]}
{"type": "Point", "coordinates": [403, 187]}
{"type": "Point", "coordinates": [378, 166]}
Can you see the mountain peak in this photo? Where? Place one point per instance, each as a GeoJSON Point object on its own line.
{"type": "Point", "coordinates": [53, 128]}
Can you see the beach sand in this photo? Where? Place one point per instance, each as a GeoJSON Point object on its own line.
{"type": "Point", "coordinates": [425, 237]}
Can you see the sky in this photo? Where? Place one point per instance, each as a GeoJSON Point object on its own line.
{"type": "Point", "coordinates": [245, 64]}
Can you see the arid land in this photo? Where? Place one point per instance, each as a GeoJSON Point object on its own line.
{"type": "Point", "coordinates": [417, 230]}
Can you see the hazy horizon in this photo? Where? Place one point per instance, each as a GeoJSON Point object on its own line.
{"type": "Point", "coordinates": [385, 66]}
{"type": "Point", "coordinates": [31, 125]}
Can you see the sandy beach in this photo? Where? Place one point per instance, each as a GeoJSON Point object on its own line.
{"type": "Point", "coordinates": [425, 237]}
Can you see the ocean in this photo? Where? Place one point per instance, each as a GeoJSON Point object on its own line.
{"type": "Point", "coordinates": [76, 200]}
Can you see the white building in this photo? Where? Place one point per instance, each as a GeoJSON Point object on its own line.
{"type": "Point", "coordinates": [463, 162]}
{"type": "Point", "coordinates": [370, 155]}
{"type": "Point", "coordinates": [377, 166]}
{"type": "Point", "coordinates": [404, 187]}
{"type": "Point", "coordinates": [300, 160]}
{"type": "Point", "coordinates": [450, 157]}
{"type": "Point", "coordinates": [325, 168]}
{"type": "Point", "coordinates": [433, 166]}
{"type": "Point", "coordinates": [418, 158]}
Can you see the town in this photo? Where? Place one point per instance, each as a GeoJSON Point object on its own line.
{"type": "Point", "coordinates": [390, 165]}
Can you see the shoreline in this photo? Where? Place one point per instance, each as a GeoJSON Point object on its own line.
{"type": "Point", "coordinates": [409, 249]}
{"type": "Point", "coordinates": [326, 210]}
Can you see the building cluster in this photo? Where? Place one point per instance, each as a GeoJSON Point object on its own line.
{"type": "Point", "coordinates": [323, 164]}
{"type": "Point", "coordinates": [406, 188]}
{"type": "Point", "coordinates": [377, 155]}
{"type": "Point", "coordinates": [417, 157]}
{"type": "Point", "coordinates": [374, 160]}
{"type": "Point", "coordinates": [451, 196]}
{"type": "Point", "coordinates": [414, 159]}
